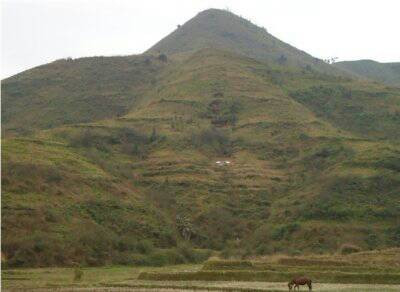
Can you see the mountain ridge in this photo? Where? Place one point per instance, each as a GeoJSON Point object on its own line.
{"type": "Point", "coordinates": [388, 73]}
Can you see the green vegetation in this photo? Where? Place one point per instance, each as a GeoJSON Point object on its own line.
{"type": "Point", "coordinates": [75, 91]}
{"type": "Point", "coordinates": [272, 276]}
{"type": "Point", "coordinates": [112, 161]}
{"type": "Point", "coordinates": [78, 274]}
{"type": "Point", "coordinates": [222, 275]}
{"type": "Point", "coordinates": [352, 108]}
{"type": "Point", "coordinates": [388, 73]}
{"type": "Point", "coordinates": [321, 270]}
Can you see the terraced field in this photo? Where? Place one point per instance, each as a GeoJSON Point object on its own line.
{"type": "Point", "coordinates": [367, 271]}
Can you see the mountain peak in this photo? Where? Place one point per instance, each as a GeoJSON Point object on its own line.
{"type": "Point", "coordinates": [214, 11]}
{"type": "Point", "coordinates": [222, 29]}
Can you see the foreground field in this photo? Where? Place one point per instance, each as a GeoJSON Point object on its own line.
{"type": "Point", "coordinates": [129, 279]}
{"type": "Point", "coordinates": [125, 279]}
{"type": "Point", "coordinates": [363, 271]}
{"type": "Point", "coordinates": [92, 277]}
{"type": "Point", "coordinates": [138, 285]}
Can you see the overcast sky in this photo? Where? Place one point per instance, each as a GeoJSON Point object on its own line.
{"type": "Point", "coordinates": [35, 32]}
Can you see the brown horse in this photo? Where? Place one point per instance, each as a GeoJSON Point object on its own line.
{"type": "Point", "coordinates": [299, 281]}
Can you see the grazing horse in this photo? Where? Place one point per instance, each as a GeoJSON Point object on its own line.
{"type": "Point", "coordinates": [299, 281]}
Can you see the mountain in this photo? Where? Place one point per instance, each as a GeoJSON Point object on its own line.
{"type": "Point", "coordinates": [68, 91]}
{"type": "Point", "coordinates": [221, 29]}
{"type": "Point", "coordinates": [388, 73]}
{"type": "Point", "coordinates": [114, 160]}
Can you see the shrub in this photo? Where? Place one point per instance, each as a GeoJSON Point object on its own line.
{"type": "Point", "coordinates": [223, 112]}
{"type": "Point", "coordinates": [284, 231]}
{"type": "Point", "coordinates": [372, 241]}
{"type": "Point", "coordinates": [263, 249]}
{"type": "Point", "coordinates": [227, 252]}
{"type": "Point", "coordinates": [163, 57]}
{"type": "Point", "coordinates": [201, 255]}
{"type": "Point", "coordinates": [129, 141]}
{"type": "Point", "coordinates": [349, 248]}
{"type": "Point", "coordinates": [282, 59]}
{"type": "Point", "coordinates": [53, 175]}
{"type": "Point", "coordinates": [139, 260]}
{"type": "Point", "coordinates": [192, 255]}
{"type": "Point", "coordinates": [78, 274]}
{"type": "Point", "coordinates": [393, 236]}
{"type": "Point", "coordinates": [123, 258]}
{"type": "Point", "coordinates": [158, 259]}
{"type": "Point", "coordinates": [37, 249]}
{"type": "Point", "coordinates": [214, 139]}
{"type": "Point", "coordinates": [88, 138]}
{"type": "Point", "coordinates": [174, 257]}
{"type": "Point", "coordinates": [145, 246]}
{"type": "Point", "coordinates": [126, 243]}
{"type": "Point", "coordinates": [294, 252]}
{"type": "Point", "coordinates": [51, 216]}
{"type": "Point", "coordinates": [322, 208]}
{"type": "Point", "coordinates": [187, 252]}
{"type": "Point", "coordinates": [23, 257]}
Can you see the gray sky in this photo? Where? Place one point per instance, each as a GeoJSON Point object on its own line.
{"type": "Point", "coordinates": [35, 32]}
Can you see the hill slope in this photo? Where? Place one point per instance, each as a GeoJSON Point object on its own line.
{"type": "Point", "coordinates": [388, 73]}
{"type": "Point", "coordinates": [314, 160]}
{"type": "Point", "coordinates": [302, 163]}
{"type": "Point", "coordinates": [72, 91]}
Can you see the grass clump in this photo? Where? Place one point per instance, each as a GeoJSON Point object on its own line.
{"type": "Point", "coordinates": [349, 248]}
{"type": "Point", "coordinates": [78, 274]}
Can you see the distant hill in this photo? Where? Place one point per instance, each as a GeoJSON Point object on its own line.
{"type": "Point", "coordinates": [221, 29]}
{"type": "Point", "coordinates": [388, 73]}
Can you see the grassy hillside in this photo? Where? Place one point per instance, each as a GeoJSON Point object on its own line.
{"type": "Point", "coordinates": [221, 29]}
{"type": "Point", "coordinates": [314, 165]}
{"type": "Point", "coordinates": [72, 91]}
{"type": "Point", "coordinates": [59, 207]}
{"type": "Point", "coordinates": [388, 73]}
